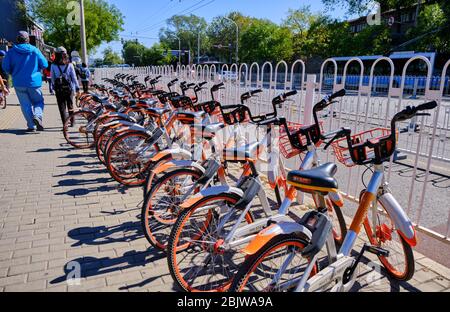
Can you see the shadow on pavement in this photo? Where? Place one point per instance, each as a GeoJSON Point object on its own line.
{"type": "Point", "coordinates": [373, 278]}
{"type": "Point", "coordinates": [18, 132]}
{"type": "Point", "coordinates": [50, 150]}
{"type": "Point", "coordinates": [79, 173]}
{"type": "Point", "coordinates": [101, 235]}
{"type": "Point", "coordinates": [91, 266]}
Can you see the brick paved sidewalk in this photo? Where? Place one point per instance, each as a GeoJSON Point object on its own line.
{"type": "Point", "coordinates": [58, 208]}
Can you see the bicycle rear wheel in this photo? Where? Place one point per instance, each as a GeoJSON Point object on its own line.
{"type": "Point", "coordinates": [76, 130]}
{"type": "Point", "coordinates": [400, 262]}
{"type": "Point", "coordinates": [276, 267]}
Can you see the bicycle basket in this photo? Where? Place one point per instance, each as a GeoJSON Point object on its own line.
{"type": "Point", "coordinates": [379, 138]}
{"type": "Point", "coordinates": [297, 142]}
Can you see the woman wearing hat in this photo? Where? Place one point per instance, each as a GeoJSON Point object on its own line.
{"type": "Point", "coordinates": [64, 81]}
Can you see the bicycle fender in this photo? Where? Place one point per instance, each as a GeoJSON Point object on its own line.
{"type": "Point", "coordinates": [402, 222]}
{"type": "Point", "coordinates": [281, 228]}
{"type": "Point", "coordinates": [169, 154]}
{"type": "Point", "coordinates": [166, 164]}
{"type": "Point", "coordinates": [132, 127]}
{"type": "Point", "coordinates": [118, 122]}
{"type": "Point", "coordinates": [178, 164]}
{"type": "Point", "coordinates": [211, 191]}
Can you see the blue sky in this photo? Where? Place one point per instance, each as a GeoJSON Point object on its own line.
{"type": "Point", "coordinates": [143, 19]}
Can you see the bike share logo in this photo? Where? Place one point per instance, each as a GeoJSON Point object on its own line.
{"type": "Point", "coordinates": [73, 18]}
{"type": "Point", "coordinates": [374, 18]}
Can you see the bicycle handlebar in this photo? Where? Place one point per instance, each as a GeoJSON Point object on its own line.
{"type": "Point", "coordinates": [257, 91]}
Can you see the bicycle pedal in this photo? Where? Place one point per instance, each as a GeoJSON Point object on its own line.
{"type": "Point", "coordinates": [381, 252]}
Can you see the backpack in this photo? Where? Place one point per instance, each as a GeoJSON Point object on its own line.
{"type": "Point", "coordinates": [62, 84]}
{"type": "Point", "coordinates": [83, 73]}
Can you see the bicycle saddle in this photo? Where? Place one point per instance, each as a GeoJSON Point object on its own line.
{"type": "Point", "coordinates": [320, 179]}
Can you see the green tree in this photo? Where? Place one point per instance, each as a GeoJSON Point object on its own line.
{"type": "Point", "coordinates": [133, 52]}
{"type": "Point", "coordinates": [318, 35]}
{"type": "Point", "coordinates": [110, 57]}
{"type": "Point", "coordinates": [187, 28]}
{"type": "Point", "coordinates": [103, 22]}
{"type": "Point", "coordinates": [222, 32]}
{"type": "Point", "coordinates": [430, 18]}
{"type": "Point", "coordinates": [158, 54]}
{"type": "Point", "coordinates": [264, 40]}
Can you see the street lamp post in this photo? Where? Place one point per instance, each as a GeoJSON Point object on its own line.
{"type": "Point", "coordinates": [83, 34]}
{"type": "Point", "coordinates": [237, 37]}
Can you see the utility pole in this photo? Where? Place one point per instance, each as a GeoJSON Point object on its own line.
{"type": "Point", "coordinates": [84, 54]}
{"type": "Point", "coordinates": [237, 37]}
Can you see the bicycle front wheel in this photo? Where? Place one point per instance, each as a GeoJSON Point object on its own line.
{"type": "Point", "coordinates": [400, 262]}
{"type": "Point", "coordinates": [128, 157]}
{"type": "Point", "coordinates": [277, 267]}
{"type": "Point", "coordinates": [161, 204]}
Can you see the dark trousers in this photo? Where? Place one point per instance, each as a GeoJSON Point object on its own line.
{"type": "Point", "coordinates": [85, 86]}
{"type": "Point", "coordinates": [65, 105]}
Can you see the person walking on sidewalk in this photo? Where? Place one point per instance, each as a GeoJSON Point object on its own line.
{"type": "Point", "coordinates": [85, 76]}
{"type": "Point", "coordinates": [24, 63]}
{"type": "Point", "coordinates": [64, 82]}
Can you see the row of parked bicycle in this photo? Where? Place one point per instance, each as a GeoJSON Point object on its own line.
{"type": "Point", "coordinates": [205, 203]}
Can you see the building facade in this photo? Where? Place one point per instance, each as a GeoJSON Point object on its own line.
{"type": "Point", "coordinates": [12, 20]}
{"type": "Point", "coordinates": [399, 20]}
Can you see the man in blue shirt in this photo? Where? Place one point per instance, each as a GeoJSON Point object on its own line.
{"type": "Point", "coordinates": [24, 63]}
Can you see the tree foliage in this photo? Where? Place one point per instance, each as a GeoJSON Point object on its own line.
{"type": "Point", "coordinates": [133, 52]}
{"type": "Point", "coordinates": [187, 28]}
{"type": "Point", "coordinates": [222, 34]}
{"type": "Point", "coordinates": [136, 53]}
{"type": "Point", "coordinates": [110, 57]}
{"type": "Point", "coordinates": [104, 21]}
{"type": "Point", "coordinates": [264, 40]}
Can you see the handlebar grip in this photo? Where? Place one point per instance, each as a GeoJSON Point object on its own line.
{"type": "Point", "coordinates": [190, 85]}
{"type": "Point", "coordinates": [290, 93]}
{"type": "Point", "coordinates": [427, 106]}
{"type": "Point", "coordinates": [254, 92]}
{"type": "Point", "coordinates": [338, 94]}
{"type": "Point", "coordinates": [174, 81]}
{"type": "Point", "coordinates": [219, 85]}
{"type": "Point", "coordinates": [159, 77]}
{"type": "Point", "coordinates": [202, 84]}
